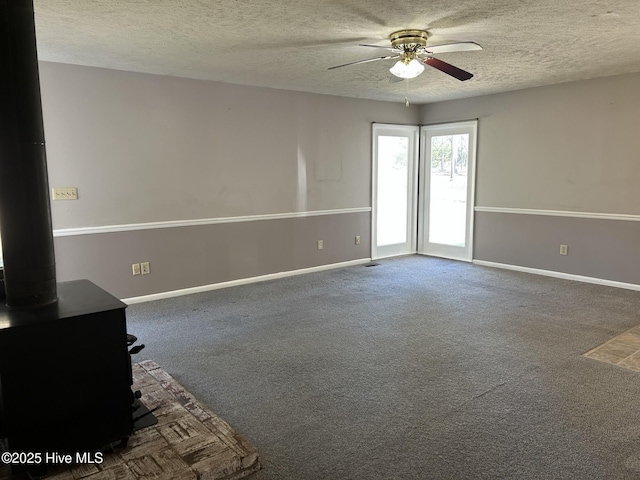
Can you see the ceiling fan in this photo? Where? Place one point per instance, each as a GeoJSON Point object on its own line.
{"type": "Point", "coordinates": [411, 50]}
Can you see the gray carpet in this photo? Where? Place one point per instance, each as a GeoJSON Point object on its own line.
{"type": "Point", "coordinates": [419, 368]}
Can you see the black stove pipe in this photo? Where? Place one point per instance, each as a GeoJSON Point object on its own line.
{"type": "Point", "coordinates": [25, 211]}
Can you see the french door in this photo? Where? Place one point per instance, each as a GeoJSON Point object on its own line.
{"type": "Point", "coordinates": [432, 216]}
{"type": "Point", "coordinates": [395, 161]}
{"type": "Point", "coordinates": [447, 179]}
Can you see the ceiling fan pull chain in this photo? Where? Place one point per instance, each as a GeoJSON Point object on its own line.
{"type": "Point", "coordinates": [406, 95]}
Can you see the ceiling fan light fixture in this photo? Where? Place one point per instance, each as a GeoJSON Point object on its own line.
{"type": "Point", "coordinates": [403, 69]}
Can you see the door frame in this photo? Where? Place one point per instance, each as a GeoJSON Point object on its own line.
{"type": "Point", "coordinates": [426, 132]}
{"type": "Point", "coordinates": [413, 133]}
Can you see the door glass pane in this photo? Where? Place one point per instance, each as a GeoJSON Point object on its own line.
{"type": "Point", "coordinates": [393, 188]}
{"type": "Point", "coordinates": [448, 189]}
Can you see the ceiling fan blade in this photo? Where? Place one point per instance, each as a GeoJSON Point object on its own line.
{"type": "Point", "coordinates": [394, 79]}
{"type": "Point", "coordinates": [449, 69]}
{"type": "Point", "coordinates": [365, 61]}
{"type": "Point", "coordinates": [453, 47]}
{"type": "Point", "coordinates": [377, 46]}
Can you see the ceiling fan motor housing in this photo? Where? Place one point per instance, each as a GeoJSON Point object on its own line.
{"type": "Point", "coordinates": [409, 40]}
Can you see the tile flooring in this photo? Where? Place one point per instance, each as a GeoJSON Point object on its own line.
{"type": "Point", "coordinates": [622, 350]}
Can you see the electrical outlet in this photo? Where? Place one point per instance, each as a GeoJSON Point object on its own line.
{"type": "Point", "coordinates": [69, 193]}
{"type": "Point", "coordinates": [357, 239]}
{"type": "Point", "coordinates": [144, 268]}
{"type": "Point", "coordinates": [320, 244]}
{"type": "Point", "coordinates": [135, 268]}
{"type": "Point", "coordinates": [564, 250]}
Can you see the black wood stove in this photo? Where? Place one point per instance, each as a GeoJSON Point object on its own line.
{"type": "Point", "coordinates": [65, 373]}
{"type": "Point", "coordinates": [65, 365]}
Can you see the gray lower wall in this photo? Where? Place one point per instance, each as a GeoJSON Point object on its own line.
{"type": "Point", "coordinates": [599, 248]}
{"type": "Point", "coordinates": [192, 256]}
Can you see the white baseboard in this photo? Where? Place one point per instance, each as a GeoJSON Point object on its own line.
{"type": "Point", "coordinates": [565, 276]}
{"type": "Point", "coordinates": [242, 281]}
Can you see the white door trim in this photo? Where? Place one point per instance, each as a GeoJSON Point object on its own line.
{"type": "Point", "coordinates": [412, 132]}
{"type": "Point", "coordinates": [447, 251]}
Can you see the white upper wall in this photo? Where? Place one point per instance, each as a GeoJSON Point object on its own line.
{"type": "Point", "coordinates": [145, 148]}
{"type": "Point", "coordinates": [572, 147]}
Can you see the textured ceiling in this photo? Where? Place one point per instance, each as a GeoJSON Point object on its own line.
{"type": "Point", "coordinates": [289, 44]}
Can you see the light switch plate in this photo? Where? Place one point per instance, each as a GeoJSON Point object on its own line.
{"type": "Point", "coordinates": [67, 193]}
